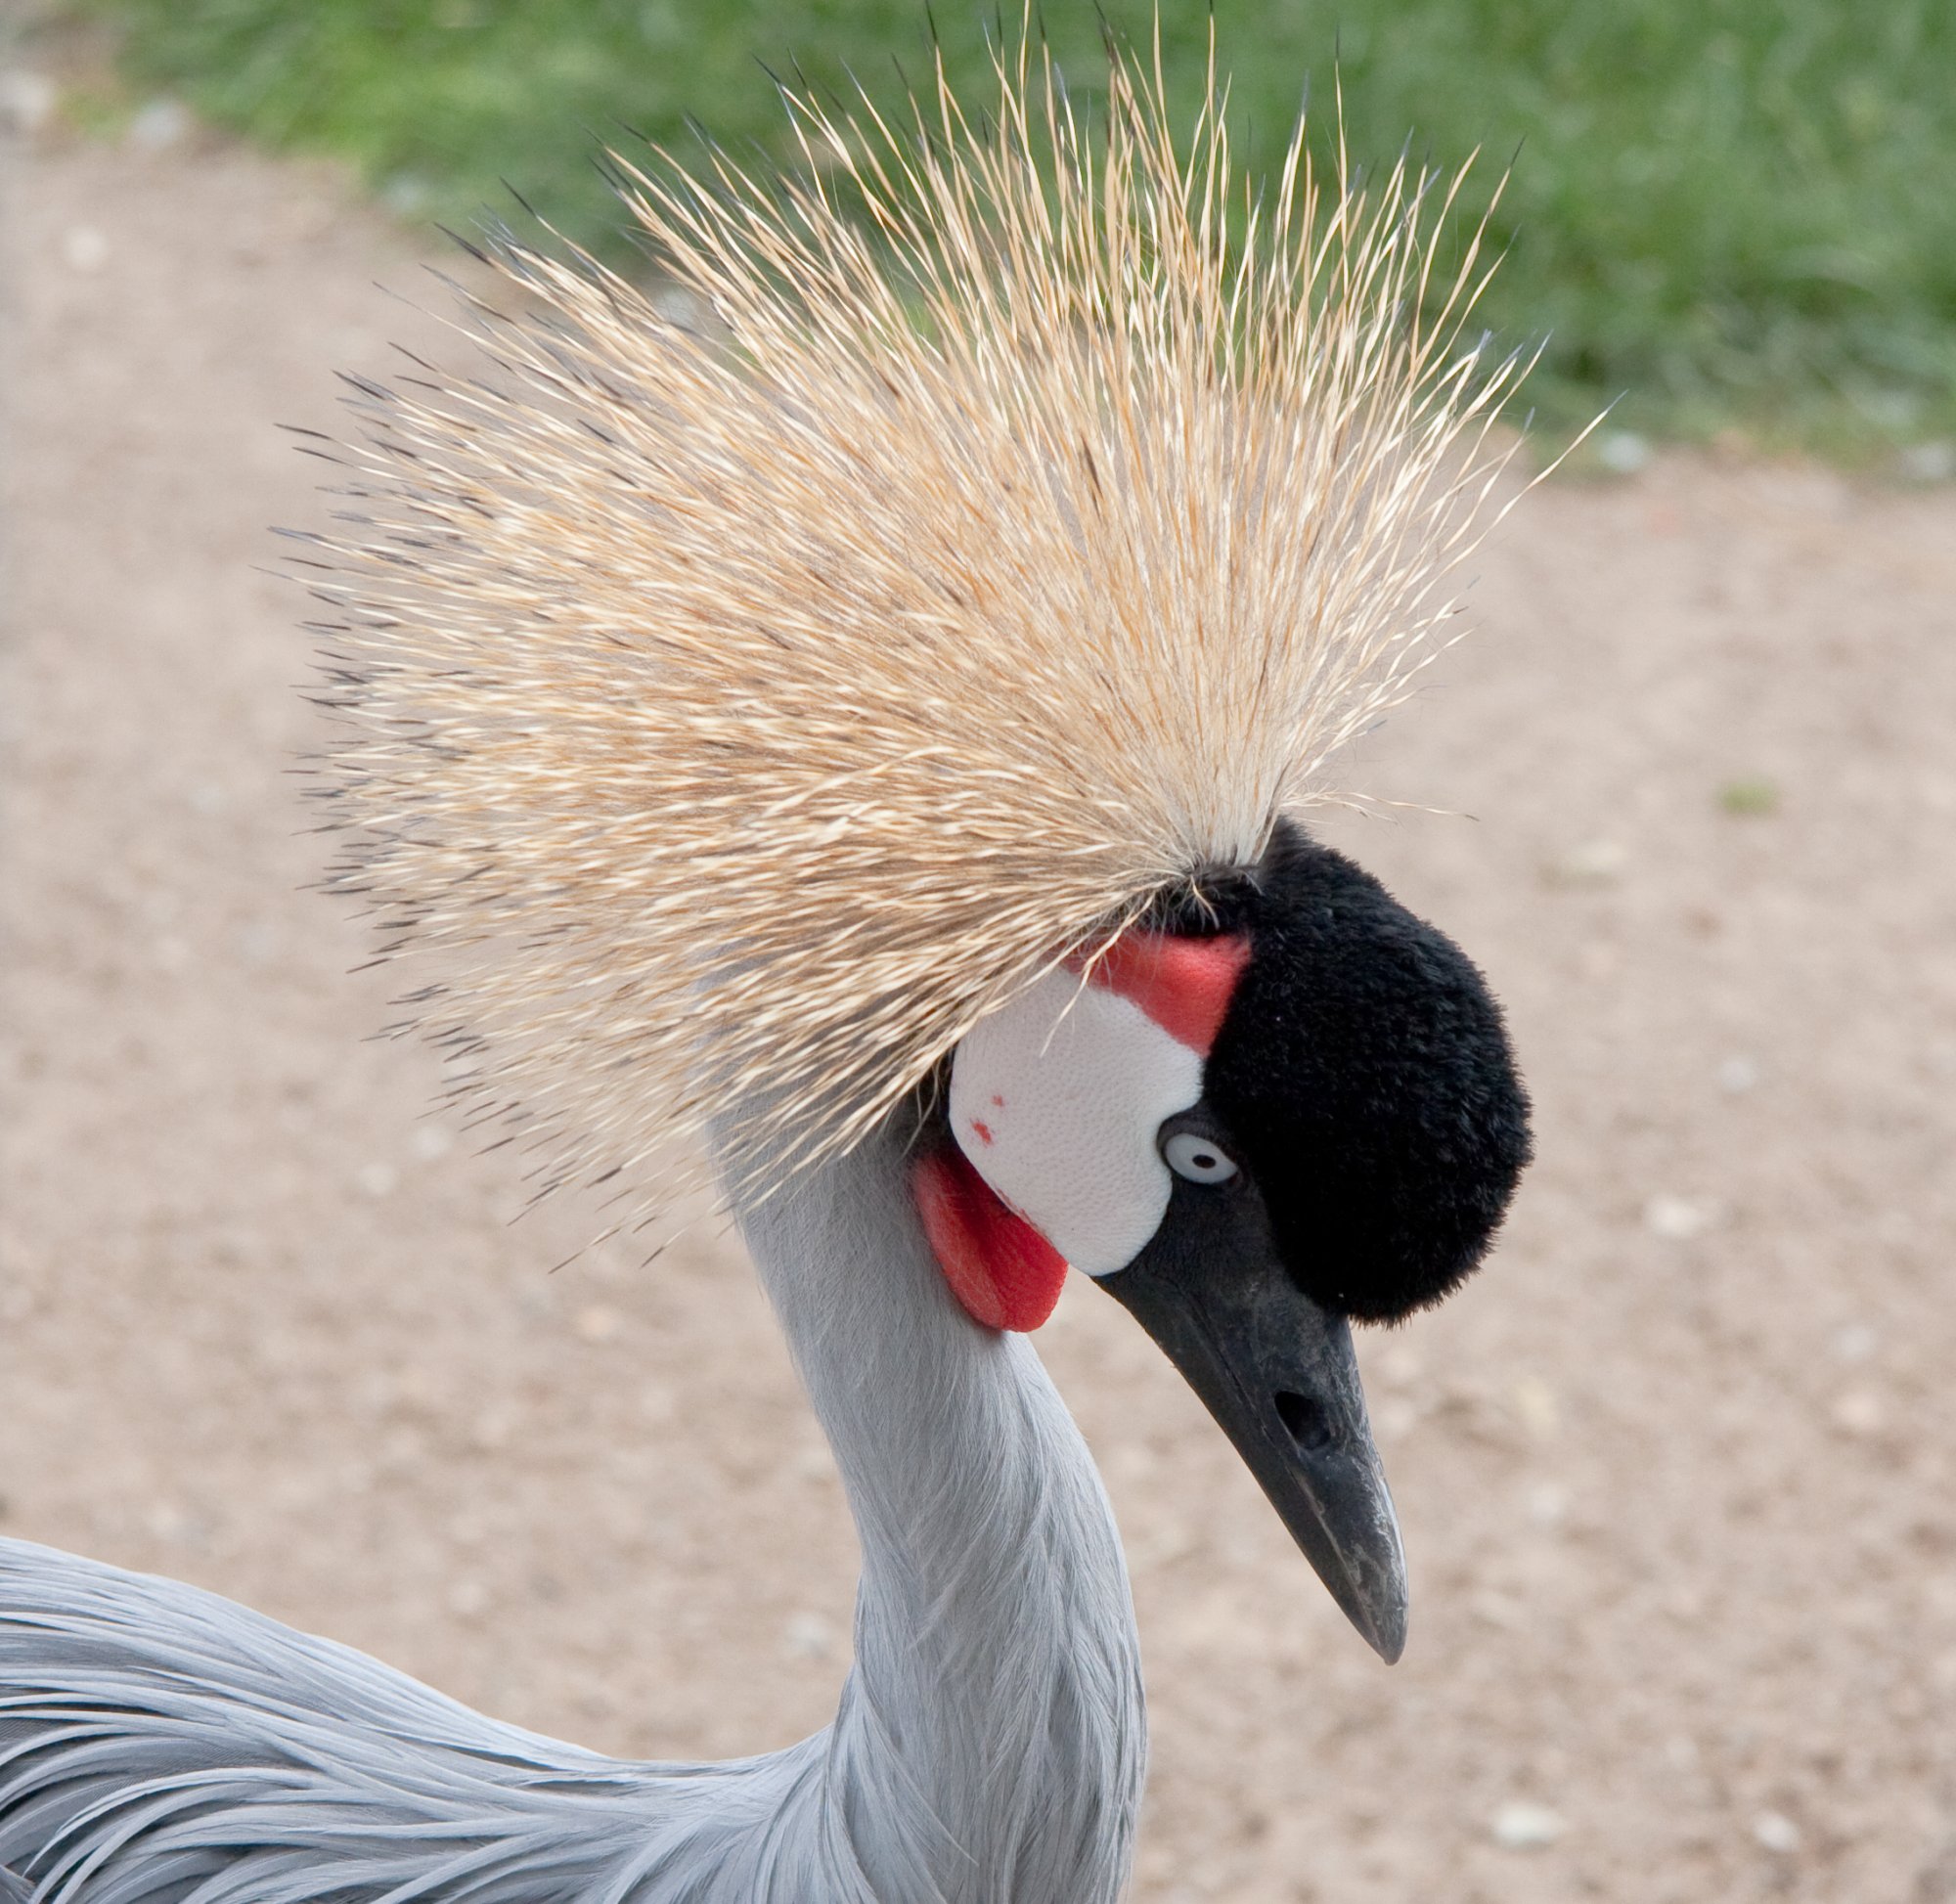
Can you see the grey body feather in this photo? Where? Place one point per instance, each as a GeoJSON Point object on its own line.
{"type": "Point", "coordinates": [161, 1746]}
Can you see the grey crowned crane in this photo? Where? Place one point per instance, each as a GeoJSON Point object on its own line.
{"type": "Point", "coordinates": [855, 718]}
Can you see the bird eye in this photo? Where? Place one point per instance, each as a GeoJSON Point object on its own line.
{"type": "Point", "coordinates": [1199, 1159]}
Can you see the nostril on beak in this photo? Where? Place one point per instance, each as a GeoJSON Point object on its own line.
{"type": "Point", "coordinates": [1305, 1419]}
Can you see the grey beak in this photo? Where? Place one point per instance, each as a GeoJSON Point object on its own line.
{"type": "Point", "coordinates": [1280, 1375]}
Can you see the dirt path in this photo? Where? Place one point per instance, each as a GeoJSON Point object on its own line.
{"type": "Point", "coordinates": [1679, 1474]}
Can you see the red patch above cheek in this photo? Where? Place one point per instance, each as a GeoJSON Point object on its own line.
{"type": "Point", "coordinates": [1185, 984]}
{"type": "Point", "coordinates": [1002, 1271]}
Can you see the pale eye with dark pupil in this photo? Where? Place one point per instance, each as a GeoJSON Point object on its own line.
{"type": "Point", "coordinates": [1198, 1159]}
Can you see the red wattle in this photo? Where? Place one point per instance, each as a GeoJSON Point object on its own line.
{"type": "Point", "coordinates": [1002, 1271]}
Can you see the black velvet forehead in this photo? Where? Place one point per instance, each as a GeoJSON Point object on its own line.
{"type": "Point", "coordinates": [1366, 1077]}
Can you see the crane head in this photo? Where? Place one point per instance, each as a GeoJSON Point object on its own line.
{"type": "Point", "coordinates": [1279, 1106]}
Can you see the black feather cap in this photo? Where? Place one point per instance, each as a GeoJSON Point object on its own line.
{"type": "Point", "coordinates": [1364, 1074]}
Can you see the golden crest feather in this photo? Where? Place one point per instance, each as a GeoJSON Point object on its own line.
{"type": "Point", "coordinates": [736, 711]}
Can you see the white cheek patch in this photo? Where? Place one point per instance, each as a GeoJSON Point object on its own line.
{"type": "Point", "coordinates": [1056, 1101]}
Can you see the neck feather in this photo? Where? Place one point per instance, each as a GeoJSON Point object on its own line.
{"type": "Point", "coordinates": [989, 1742]}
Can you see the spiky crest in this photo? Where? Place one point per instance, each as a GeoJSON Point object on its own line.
{"type": "Point", "coordinates": [741, 710]}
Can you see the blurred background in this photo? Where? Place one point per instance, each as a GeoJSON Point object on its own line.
{"type": "Point", "coordinates": [1677, 1470]}
{"type": "Point", "coordinates": [1728, 215]}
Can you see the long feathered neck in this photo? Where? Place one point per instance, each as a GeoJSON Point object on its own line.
{"type": "Point", "coordinates": [989, 1742]}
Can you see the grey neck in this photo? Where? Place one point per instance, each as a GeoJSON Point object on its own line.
{"type": "Point", "coordinates": [990, 1744]}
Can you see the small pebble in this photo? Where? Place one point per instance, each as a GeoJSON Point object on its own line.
{"type": "Point", "coordinates": [1520, 1826]}
{"type": "Point", "coordinates": [1623, 451]}
{"type": "Point", "coordinates": [1535, 1403]}
{"type": "Point", "coordinates": [596, 1323]}
{"type": "Point", "coordinates": [1677, 1220]}
{"type": "Point", "coordinates": [468, 1599]}
{"type": "Point", "coordinates": [492, 1428]}
{"type": "Point", "coordinates": [432, 1140]}
{"type": "Point", "coordinates": [1927, 463]}
{"type": "Point", "coordinates": [1501, 1611]}
{"type": "Point", "coordinates": [809, 1636]}
{"type": "Point", "coordinates": [1858, 1413]}
{"type": "Point", "coordinates": [683, 309]}
{"type": "Point", "coordinates": [1737, 1075]}
{"type": "Point", "coordinates": [1777, 1833]}
{"type": "Point", "coordinates": [1170, 1541]}
{"type": "Point", "coordinates": [27, 101]}
{"type": "Point", "coordinates": [159, 125]}
{"type": "Point", "coordinates": [376, 1179]}
{"type": "Point", "coordinates": [1855, 1343]}
{"type": "Point", "coordinates": [1396, 1417]}
{"type": "Point", "coordinates": [1591, 862]}
{"type": "Point", "coordinates": [84, 248]}
{"type": "Point", "coordinates": [814, 1463]}
{"type": "Point", "coordinates": [405, 194]}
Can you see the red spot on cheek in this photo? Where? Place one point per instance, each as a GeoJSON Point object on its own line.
{"type": "Point", "coordinates": [1185, 984]}
{"type": "Point", "coordinates": [984, 1131]}
{"type": "Point", "coordinates": [1002, 1271]}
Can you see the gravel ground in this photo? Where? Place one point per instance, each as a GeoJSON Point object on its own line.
{"type": "Point", "coordinates": [1677, 1471]}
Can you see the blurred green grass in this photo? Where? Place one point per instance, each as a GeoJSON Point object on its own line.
{"type": "Point", "coordinates": [1733, 216]}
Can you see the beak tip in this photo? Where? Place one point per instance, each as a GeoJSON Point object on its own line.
{"type": "Point", "coordinates": [1379, 1618]}
{"type": "Point", "coordinates": [1370, 1588]}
